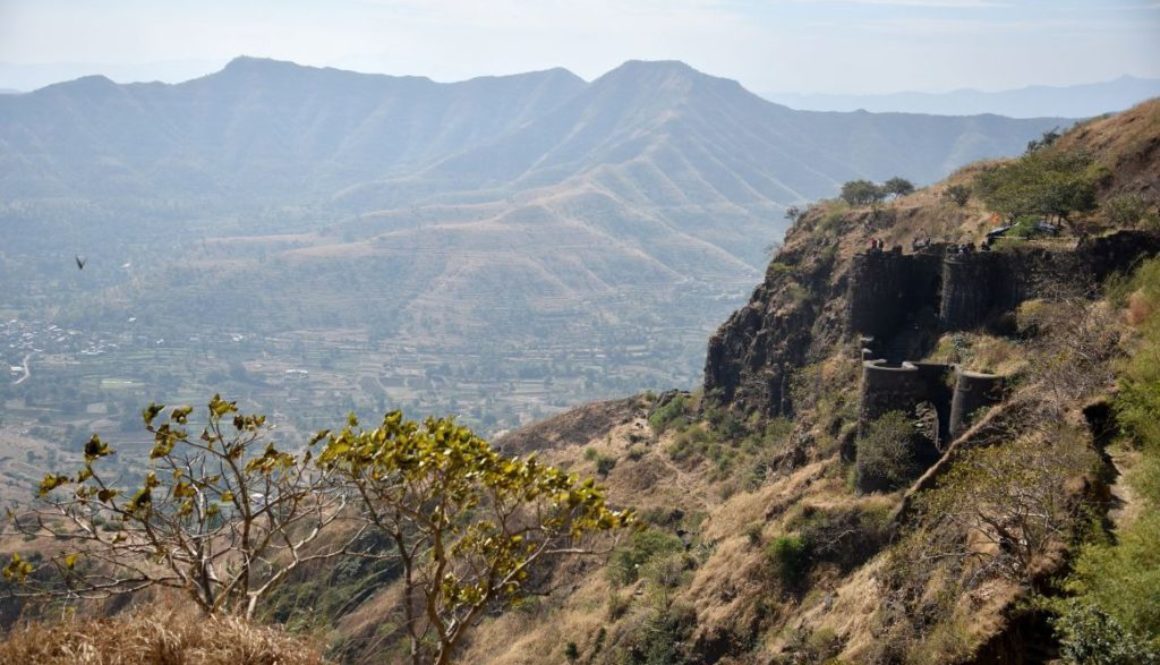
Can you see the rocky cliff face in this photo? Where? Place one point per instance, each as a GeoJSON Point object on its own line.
{"type": "Point", "coordinates": [791, 317]}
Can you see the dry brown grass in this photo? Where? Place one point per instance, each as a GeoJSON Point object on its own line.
{"type": "Point", "coordinates": [155, 638]}
{"type": "Point", "coordinates": [1123, 142]}
{"type": "Point", "coordinates": [981, 353]}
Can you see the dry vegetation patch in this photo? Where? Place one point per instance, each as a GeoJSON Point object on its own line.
{"type": "Point", "coordinates": [156, 637]}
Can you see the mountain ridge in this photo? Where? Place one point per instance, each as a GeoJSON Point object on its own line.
{"type": "Point", "coordinates": [278, 108]}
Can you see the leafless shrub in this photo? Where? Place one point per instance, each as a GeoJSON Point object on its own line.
{"type": "Point", "coordinates": [1011, 504]}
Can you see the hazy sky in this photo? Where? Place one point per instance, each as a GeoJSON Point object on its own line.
{"type": "Point", "coordinates": [768, 45]}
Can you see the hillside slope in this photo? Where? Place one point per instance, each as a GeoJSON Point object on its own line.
{"type": "Point", "coordinates": [765, 546]}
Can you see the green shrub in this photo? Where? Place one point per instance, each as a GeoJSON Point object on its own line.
{"type": "Point", "coordinates": [668, 571]}
{"type": "Point", "coordinates": [1041, 183]}
{"type": "Point", "coordinates": [796, 293]}
{"type": "Point", "coordinates": [861, 192]}
{"type": "Point", "coordinates": [661, 638]}
{"type": "Point", "coordinates": [831, 224]}
{"type": "Point", "coordinates": [777, 268]}
{"type": "Point", "coordinates": [724, 424]}
{"type": "Point", "coordinates": [805, 647]}
{"type": "Point", "coordinates": [958, 194]}
{"type": "Point", "coordinates": [846, 537]}
{"type": "Point", "coordinates": [885, 458]}
{"type": "Point", "coordinates": [1138, 400]}
{"type": "Point", "coordinates": [604, 465]}
{"type": "Point", "coordinates": [665, 414]}
{"type": "Point", "coordinates": [1124, 210]}
{"type": "Point", "coordinates": [628, 560]}
{"type": "Point", "coordinates": [789, 560]}
{"type": "Point", "coordinates": [1024, 226]}
{"type": "Point", "coordinates": [690, 442]}
{"type": "Point", "coordinates": [1088, 636]}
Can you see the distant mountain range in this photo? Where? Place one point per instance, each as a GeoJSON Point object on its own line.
{"type": "Point", "coordinates": [1075, 101]}
{"type": "Point", "coordinates": [656, 133]}
{"type": "Point", "coordinates": [527, 214]}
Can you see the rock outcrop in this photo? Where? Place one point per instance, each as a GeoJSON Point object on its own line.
{"type": "Point", "coordinates": [792, 314]}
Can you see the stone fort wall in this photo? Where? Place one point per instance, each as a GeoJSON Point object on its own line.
{"type": "Point", "coordinates": [966, 290]}
{"type": "Point", "coordinates": [953, 392]}
{"type": "Point", "coordinates": [886, 286]}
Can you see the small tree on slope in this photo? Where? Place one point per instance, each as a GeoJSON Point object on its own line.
{"type": "Point", "coordinates": [223, 516]}
{"type": "Point", "coordinates": [470, 526]}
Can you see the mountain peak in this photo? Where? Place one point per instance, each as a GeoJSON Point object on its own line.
{"type": "Point", "coordinates": [653, 68]}
{"type": "Point", "coordinates": [251, 62]}
{"type": "Point", "coordinates": [247, 64]}
{"type": "Point", "coordinates": [95, 84]}
{"type": "Point", "coordinates": [552, 74]}
{"type": "Point", "coordinates": [662, 75]}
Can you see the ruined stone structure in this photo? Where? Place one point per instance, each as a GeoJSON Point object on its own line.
{"type": "Point", "coordinates": [895, 298]}
{"type": "Point", "coordinates": [975, 285]}
{"type": "Point", "coordinates": [902, 387]}
{"type": "Point", "coordinates": [973, 391]}
{"type": "Point", "coordinates": [923, 391]}
{"type": "Point", "coordinates": [885, 286]}
{"type": "Point", "coordinates": [886, 289]}
{"type": "Point", "coordinates": [905, 386]}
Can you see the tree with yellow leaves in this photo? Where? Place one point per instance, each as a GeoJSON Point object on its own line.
{"type": "Point", "coordinates": [471, 527]}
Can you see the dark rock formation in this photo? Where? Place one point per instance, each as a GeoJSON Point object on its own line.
{"type": "Point", "coordinates": [752, 357]}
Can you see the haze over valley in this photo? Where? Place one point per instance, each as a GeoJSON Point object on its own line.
{"type": "Point", "coordinates": [314, 241]}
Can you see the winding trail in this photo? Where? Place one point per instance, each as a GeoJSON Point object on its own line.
{"type": "Point", "coordinates": [27, 372]}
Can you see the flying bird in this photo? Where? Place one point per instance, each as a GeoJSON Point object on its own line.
{"type": "Point", "coordinates": [81, 262]}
